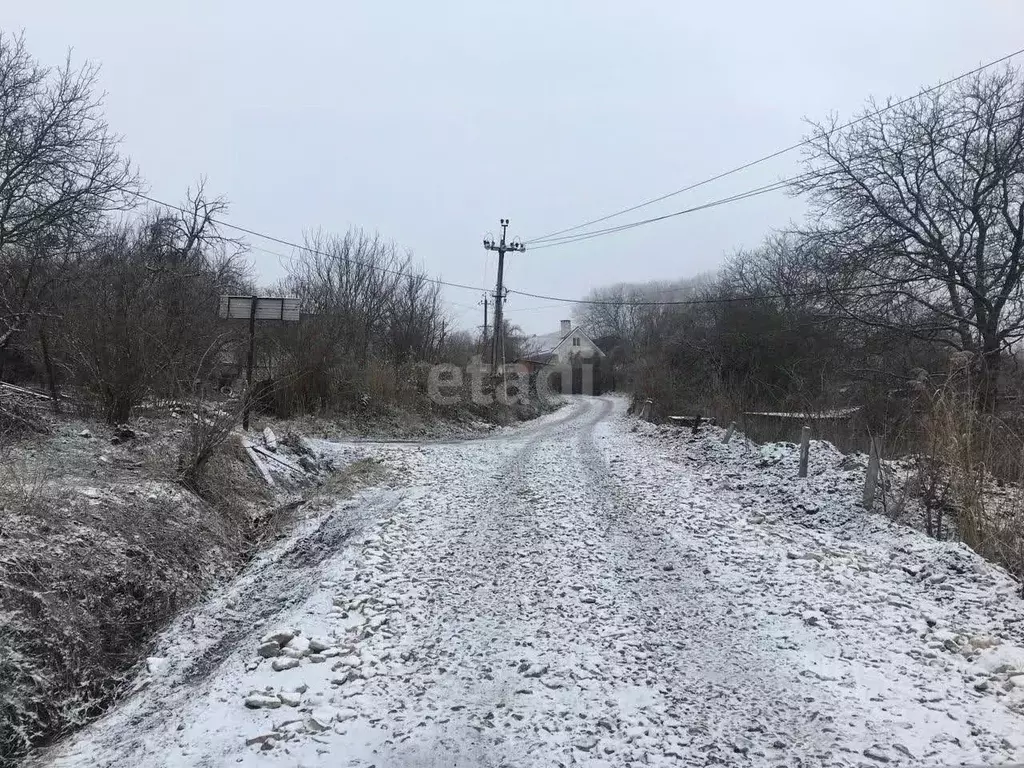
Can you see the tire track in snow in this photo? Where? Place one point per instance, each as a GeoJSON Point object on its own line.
{"type": "Point", "coordinates": [561, 580]}
{"type": "Point", "coordinates": [561, 595]}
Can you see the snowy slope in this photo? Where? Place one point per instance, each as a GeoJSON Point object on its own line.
{"type": "Point", "coordinates": [585, 591]}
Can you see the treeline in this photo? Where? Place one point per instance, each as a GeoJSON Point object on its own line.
{"type": "Point", "coordinates": [900, 293]}
{"type": "Point", "coordinates": [764, 333]}
{"type": "Point", "coordinates": [117, 300]}
{"type": "Point", "coordinates": [912, 252]}
{"type": "Point", "coordinates": [369, 316]}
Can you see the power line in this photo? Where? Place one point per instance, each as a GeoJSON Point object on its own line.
{"type": "Point", "coordinates": [462, 306]}
{"type": "Point", "coordinates": [691, 302]}
{"type": "Point", "coordinates": [773, 187]}
{"type": "Point", "coordinates": [778, 152]}
{"type": "Point", "coordinates": [518, 310]}
{"type": "Point", "coordinates": [289, 244]}
{"type": "Point", "coordinates": [857, 289]}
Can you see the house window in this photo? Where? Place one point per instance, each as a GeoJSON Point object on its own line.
{"type": "Point", "coordinates": [576, 341]}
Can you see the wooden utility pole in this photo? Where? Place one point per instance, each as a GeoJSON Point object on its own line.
{"type": "Point", "coordinates": [498, 345]}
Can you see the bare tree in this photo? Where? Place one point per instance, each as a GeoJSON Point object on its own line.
{"type": "Point", "coordinates": [367, 310]}
{"type": "Point", "coordinates": [348, 282]}
{"type": "Point", "coordinates": [143, 310]}
{"type": "Point", "coordinates": [416, 318]}
{"type": "Point", "coordinates": [60, 172]}
{"type": "Point", "coordinates": [459, 347]}
{"type": "Point", "coordinates": [920, 217]}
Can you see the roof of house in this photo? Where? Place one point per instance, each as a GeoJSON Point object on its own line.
{"type": "Point", "coordinates": [543, 346]}
{"type": "Point", "coordinates": [545, 343]}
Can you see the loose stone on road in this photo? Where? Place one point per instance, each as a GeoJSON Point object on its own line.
{"type": "Point", "coordinates": [574, 593]}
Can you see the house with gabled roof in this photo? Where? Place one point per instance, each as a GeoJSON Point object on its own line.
{"type": "Point", "coordinates": [566, 346]}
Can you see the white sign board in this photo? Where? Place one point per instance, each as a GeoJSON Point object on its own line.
{"type": "Point", "coordinates": [240, 308]}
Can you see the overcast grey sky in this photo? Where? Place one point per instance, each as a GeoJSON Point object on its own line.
{"type": "Point", "coordinates": [428, 121]}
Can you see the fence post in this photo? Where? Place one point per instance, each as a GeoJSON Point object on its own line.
{"type": "Point", "coordinates": [871, 479]}
{"type": "Point", "coordinates": [805, 449]}
{"type": "Point", "coordinates": [645, 412]}
{"type": "Point", "coordinates": [729, 431]}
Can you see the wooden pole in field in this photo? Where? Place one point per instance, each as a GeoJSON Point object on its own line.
{"type": "Point", "coordinates": [871, 479]}
{"type": "Point", "coordinates": [805, 449]}
{"type": "Point", "coordinates": [645, 411]}
{"type": "Point", "coordinates": [247, 405]}
{"type": "Point", "coordinates": [729, 431]}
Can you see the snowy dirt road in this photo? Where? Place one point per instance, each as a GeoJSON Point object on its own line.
{"type": "Point", "coordinates": [581, 593]}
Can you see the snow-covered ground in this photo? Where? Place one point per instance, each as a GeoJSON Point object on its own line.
{"type": "Point", "coordinates": [588, 591]}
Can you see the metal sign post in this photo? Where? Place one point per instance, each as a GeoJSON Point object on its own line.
{"type": "Point", "coordinates": [253, 308]}
{"type": "Point", "coordinates": [248, 363]}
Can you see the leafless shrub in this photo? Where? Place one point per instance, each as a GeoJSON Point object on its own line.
{"type": "Point", "coordinates": [971, 470]}
{"type": "Point", "coordinates": [16, 421]}
{"type": "Point", "coordinates": [143, 308]}
{"type": "Point", "coordinates": [209, 426]}
{"type": "Point", "coordinates": [368, 315]}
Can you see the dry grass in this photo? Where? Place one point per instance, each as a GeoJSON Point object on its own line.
{"type": "Point", "coordinates": [970, 469]}
{"type": "Point", "coordinates": [385, 390]}
{"type": "Point", "coordinates": [382, 383]}
{"type": "Point", "coordinates": [316, 389]}
{"type": "Point", "coordinates": [358, 474]}
{"type": "Point", "coordinates": [14, 422]}
{"type": "Point", "coordinates": [92, 566]}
